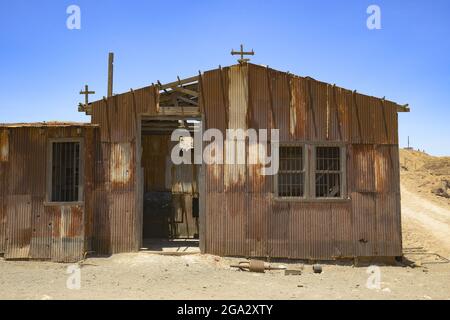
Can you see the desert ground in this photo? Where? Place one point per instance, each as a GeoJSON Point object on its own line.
{"type": "Point", "coordinates": [426, 232]}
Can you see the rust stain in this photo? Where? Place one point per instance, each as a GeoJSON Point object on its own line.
{"type": "Point", "coordinates": [293, 109]}
{"type": "Point", "coordinates": [4, 145]}
{"type": "Point", "coordinates": [121, 163]}
{"type": "Point", "coordinates": [234, 174]}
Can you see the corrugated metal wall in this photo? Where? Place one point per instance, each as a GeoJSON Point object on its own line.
{"type": "Point", "coordinates": [117, 223]}
{"type": "Point", "coordinates": [242, 216]}
{"type": "Point", "coordinates": [30, 227]}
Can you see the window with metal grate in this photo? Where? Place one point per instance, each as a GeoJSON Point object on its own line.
{"type": "Point", "coordinates": [328, 173]}
{"type": "Point", "coordinates": [65, 179]}
{"type": "Point", "coordinates": [291, 173]}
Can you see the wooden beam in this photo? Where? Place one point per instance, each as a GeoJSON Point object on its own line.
{"type": "Point", "coordinates": [185, 91]}
{"type": "Point", "coordinates": [188, 100]}
{"type": "Point", "coordinates": [178, 82]}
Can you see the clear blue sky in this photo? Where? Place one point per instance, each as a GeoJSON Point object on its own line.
{"type": "Point", "coordinates": [43, 65]}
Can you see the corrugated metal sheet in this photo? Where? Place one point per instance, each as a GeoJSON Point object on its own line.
{"type": "Point", "coordinates": [4, 145]}
{"type": "Point", "coordinates": [242, 216]}
{"type": "Point", "coordinates": [27, 222]}
{"type": "Point", "coordinates": [123, 222]}
{"type": "Point", "coordinates": [41, 236]}
{"type": "Point", "coordinates": [67, 233]}
{"type": "Point", "coordinates": [18, 227]}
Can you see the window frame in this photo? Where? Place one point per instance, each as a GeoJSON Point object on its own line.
{"type": "Point", "coordinates": [309, 161]}
{"type": "Point", "coordinates": [305, 170]}
{"type": "Point", "coordinates": [49, 187]}
{"type": "Point", "coordinates": [342, 171]}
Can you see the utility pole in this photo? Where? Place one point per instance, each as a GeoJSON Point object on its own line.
{"type": "Point", "coordinates": [110, 74]}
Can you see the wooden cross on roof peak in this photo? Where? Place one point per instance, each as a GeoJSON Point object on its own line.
{"type": "Point", "coordinates": [242, 53]}
{"type": "Point", "coordinates": [86, 93]}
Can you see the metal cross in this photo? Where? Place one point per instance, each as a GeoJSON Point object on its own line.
{"type": "Point", "coordinates": [86, 93]}
{"type": "Point", "coordinates": [242, 53]}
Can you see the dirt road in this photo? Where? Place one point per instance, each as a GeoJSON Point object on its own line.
{"type": "Point", "coordinates": [430, 222]}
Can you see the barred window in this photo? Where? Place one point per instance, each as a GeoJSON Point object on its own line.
{"type": "Point", "coordinates": [291, 173]}
{"type": "Point", "coordinates": [65, 170]}
{"type": "Point", "coordinates": [328, 175]}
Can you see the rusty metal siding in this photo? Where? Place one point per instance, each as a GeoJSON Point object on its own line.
{"type": "Point", "coordinates": [101, 242]}
{"type": "Point", "coordinates": [279, 88]}
{"type": "Point", "coordinates": [215, 108]}
{"type": "Point", "coordinates": [4, 145]}
{"type": "Point", "coordinates": [258, 207]}
{"type": "Point", "coordinates": [18, 227]}
{"type": "Point", "coordinates": [67, 233]}
{"type": "Point", "coordinates": [116, 172]}
{"type": "Point", "coordinates": [363, 168]}
{"type": "Point", "coordinates": [367, 224]}
{"type": "Point", "coordinates": [26, 220]}
{"type": "Point", "coordinates": [123, 222]}
{"type": "Point", "coordinates": [41, 237]}
{"type": "Point", "coordinates": [3, 217]}
{"type": "Point", "coordinates": [27, 175]}
{"type": "Point", "coordinates": [3, 209]}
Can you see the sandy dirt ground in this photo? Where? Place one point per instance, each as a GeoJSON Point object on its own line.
{"type": "Point", "coordinates": [425, 223]}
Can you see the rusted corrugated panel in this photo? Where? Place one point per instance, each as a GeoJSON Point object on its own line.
{"type": "Point", "coordinates": [342, 226]}
{"type": "Point", "coordinates": [260, 117]}
{"type": "Point", "coordinates": [374, 121]}
{"type": "Point", "coordinates": [67, 233]}
{"type": "Point", "coordinates": [27, 161]}
{"type": "Point", "coordinates": [234, 223]}
{"type": "Point", "coordinates": [214, 101]}
{"type": "Point", "coordinates": [363, 173]}
{"type": "Point", "coordinates": [311, 230]}
{"type": "Point", "coordinates": [3, 212]}
{"type": "Point", "coordinates": [386, 179]}
{"type": "Point", "coordinates": [364, 224]}
{"type": "Point", "coordinates": [280, 91]}
{"type": "Point", "coordinates": [279, 236]}
{"type": "Point", "coordinates": [363, 119]}
{"type": "Point", "coordinates": [298, 110]}
{"type": "Point", "coordinates": [122, 118]}
{"type": "Point", "coordinates": [215, 224]}
{"type": "Point", "coordinates": [258, 211]}
{"type": "Point", "coordinates": [318, 111]}
{"type": "Point", "coordinates": [235, 150]}
{"type": "Point", "coordinates": [122, 166]}
{"type": "Point", "coordinates": [101, 242]}
{"type": "Point", "coordinates": [18, 227]}
{"type": "Point", "coordinates": [259, 98]}
{"type": "Point", "coordinates": [92, 141]}
{"type": "Point", "coordinates": [41, 223]}
{"type": "Point", "coordinates": [3, 215]}
{"type": "Point", "coordinates": [100, 116]}
{"type": "Point", "coordinates": [4, 145]}
{"type": "Point", "coordinates": [123, 220]}
{"type": "Point", "coordinates": [339, 106]}
{"type": "Point", "coordinates": [388, 241]}
{"type": "Point", "coordinates": [146, 100]}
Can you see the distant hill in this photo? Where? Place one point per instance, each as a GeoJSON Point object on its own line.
{"type": "Point", "coordinates": [426, 174]}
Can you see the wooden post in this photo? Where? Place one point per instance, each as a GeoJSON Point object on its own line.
{"type": "Point", "coordinates": [110, 74]}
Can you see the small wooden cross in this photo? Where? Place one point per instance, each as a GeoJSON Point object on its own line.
{"type": "Point", "coordinates": [242, 53]}
{"type": "Point", "coordinates": [86, 93]}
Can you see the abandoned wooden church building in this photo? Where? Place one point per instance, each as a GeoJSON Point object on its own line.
{"type": "Point", "coordinates": [109, 185]}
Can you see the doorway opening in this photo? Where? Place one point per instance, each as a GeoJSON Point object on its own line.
{"type": "Point", "coordinates": [171, 194]}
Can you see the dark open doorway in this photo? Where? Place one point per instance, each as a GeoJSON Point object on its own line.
{"type": "Point", "coordinates": [170, 192]}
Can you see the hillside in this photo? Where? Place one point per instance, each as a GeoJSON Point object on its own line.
{"type": "Point", "coordinates": [426, 175]}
